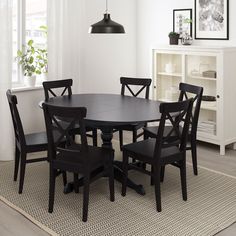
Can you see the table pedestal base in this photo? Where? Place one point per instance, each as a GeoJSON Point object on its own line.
{"type": "Point", "coordinates": [107, 135]}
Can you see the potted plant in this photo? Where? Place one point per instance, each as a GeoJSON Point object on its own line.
{"type": "Point", "coordinates": [186, 38]}
{"type": "Point", "coordinates": [33, 61]}
{"type": "Point", "coordinates": [174, 38]}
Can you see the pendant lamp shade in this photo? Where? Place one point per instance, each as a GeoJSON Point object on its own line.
{"type": "Point", "coordinates": [106, 26]}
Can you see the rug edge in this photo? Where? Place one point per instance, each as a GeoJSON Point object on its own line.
{"type": "Point", "coordinates": [214, 171]}
{"type": "Point", "coordinates": [29, 217]}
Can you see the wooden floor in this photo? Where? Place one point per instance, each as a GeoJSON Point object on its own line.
{"type": "Point", "coordinates": [14, 224]}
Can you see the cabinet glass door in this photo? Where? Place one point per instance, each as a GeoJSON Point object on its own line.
{"type": "Point", "coordinates": [201, 70]}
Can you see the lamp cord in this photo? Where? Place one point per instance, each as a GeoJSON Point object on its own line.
{"type": "Point", "coordinates": [106, 6]}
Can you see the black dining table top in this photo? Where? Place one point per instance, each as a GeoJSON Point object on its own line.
{"type": "Point", "coordinates": [111, 109]}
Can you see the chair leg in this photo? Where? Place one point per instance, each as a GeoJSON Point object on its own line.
{"type": "Point", "coordinates": [64, 176]}
{"type": "Point", "coordinates": [151, 180]}
{"type": "Point", "coordinates": [183, 180]}
{"type": "Point", "coordinates": [111, 182]}
{"type": "Point", "coordinates": [22, 171]}
{"type": "Point", "coordinates": [162, 173]}
{"type": "Point", "coordinates": [121, 139]}
{"type": "Point", "coordinates": [51, 189]}
{"type": "Point", "coordinates": [76, 183]}
{"type": "Point", "coordinates": [134, 141]}
{"type": "Point", "coordinates": [95, 137]}
{"type": "Point", "coordinates": [85, 197]}
{"type": "Point", "coordinates": [125, 173]}
{"type": "Point", "coordinates": [17, 161]}
{"type": "Point", "coordinates": [194, 155]}
{"type": "Point", "coordinates": [157, 183]}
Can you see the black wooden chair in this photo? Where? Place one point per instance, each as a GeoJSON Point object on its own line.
{"type": "Point", "coordinates": [186, 90]}
{"type": "Point", "coordinates": [64, 87]}
{"type": "Point", "coordinates": [75, 158]}
{"type": "Point", "coordinates": [159, 151]}
{"type": "Point", "coordinates": [128, 83]}
{"type": "Point", "coordinates": [24, 144]}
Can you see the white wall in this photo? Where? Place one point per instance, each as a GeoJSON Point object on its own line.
{"type": "Point", "coordinates": [30, 112]}
{"type": "Point", "coordinates": [106, 57]}
{"type": "Point", "coordinates": [155, 21]}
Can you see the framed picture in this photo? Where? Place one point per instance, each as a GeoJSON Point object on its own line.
{"type": "Point", "coordinates": [212, 19]}
{"type": "Point", "coordinates": [182, 21]}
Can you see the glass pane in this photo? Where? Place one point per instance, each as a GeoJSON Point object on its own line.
{"type": "Point", "coordinates": [36, 17]}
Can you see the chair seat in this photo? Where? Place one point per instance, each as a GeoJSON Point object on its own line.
{"type": "Point", "coordinates": [73, 157]}
{"type": "Point", "coordinates": [36, 142]}
{"type": "Point", "coordinates": [151, 131]}
{"type": "Point", "coordinates": [144, 150]}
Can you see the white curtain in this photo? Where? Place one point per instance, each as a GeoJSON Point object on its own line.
{"type": "Point", "coordinates": [6, 131]}
{"type": "Point", "coordinates": [64, 22]}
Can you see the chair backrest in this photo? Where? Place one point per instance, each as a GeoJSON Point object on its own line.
{"type": "Point", "coordinates": [58, 133]}
{"type": "Point", "coordinates": [17, 124]}
{"type": "Point", "coordinates": [187, 91]}
{"type": "Point", "coordinates": [50, 86]}
{"type": "Point", "coordinates": [176, 114]}
{"type": "Point", "coordinates": [144, 83]}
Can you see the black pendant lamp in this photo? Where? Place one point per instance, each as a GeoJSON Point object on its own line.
{"type": "Point", "coordinates": [106, 26]}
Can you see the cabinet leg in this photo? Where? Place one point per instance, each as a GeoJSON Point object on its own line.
{"type": "Point", "coordinates": [222, 150]}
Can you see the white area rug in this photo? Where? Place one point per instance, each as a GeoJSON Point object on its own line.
{"type": "Point", "coordinates": [211, 204]}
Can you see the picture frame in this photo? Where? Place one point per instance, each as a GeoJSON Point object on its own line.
{"type": "Point", "coordinates": [179, 24]}
{"type": "Point", "coordinates": [212, 19]}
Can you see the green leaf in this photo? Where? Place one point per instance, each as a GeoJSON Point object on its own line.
{"type": "Point", "coordinates": [30, 42]}
{"type": "Point", "coordinates": [31, 60]}
{"type": "Point", "coordinates": [19, 53]}
{"type": "Point", "coordinates": [43, 27]}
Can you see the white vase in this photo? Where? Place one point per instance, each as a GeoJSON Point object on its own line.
{"type": "Point", "coordinates": [44, 76]}
{"type": "Point", "coordinates": [30, 81]}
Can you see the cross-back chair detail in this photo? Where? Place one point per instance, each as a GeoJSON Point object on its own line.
{"type": "Point", "coordinates": [186, 91]}
{"type": "Point", "coordinates": [126, 84]}
{"type": "Point", "coordinates": [66, 85]}
{"type": "Point", "coordinates": [49, 87]}
{"type": "Point", "coordinates": [159, 151]}
{"type": "Point", "coordinates": [78, 158]}
{"type": "Point", "coordinates": [168, 110]}
{"type": "Point", "coordinates": [196, 93]}
{"type": "Point", "coordinates": [74, 116]}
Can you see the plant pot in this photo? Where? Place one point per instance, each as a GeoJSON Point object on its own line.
{"type": "Point", "coordinates": [174, 40]}
{"type": "Point", "coordinates": [44, 76]}
{"type": "Point", "coordinates": [30, 81]}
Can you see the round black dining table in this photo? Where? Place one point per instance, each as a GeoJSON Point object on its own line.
{"type": "Point", "coordinates": [109, 111]}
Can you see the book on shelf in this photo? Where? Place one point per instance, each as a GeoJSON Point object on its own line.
{"type": "Point", "coordinates": [207, 126]}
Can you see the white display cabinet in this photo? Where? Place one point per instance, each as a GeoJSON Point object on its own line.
{"type": "Point", "coordinates": [213, 68]}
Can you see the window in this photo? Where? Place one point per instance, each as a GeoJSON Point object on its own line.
{"type": "Point", "coordinates": [29, 21]}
